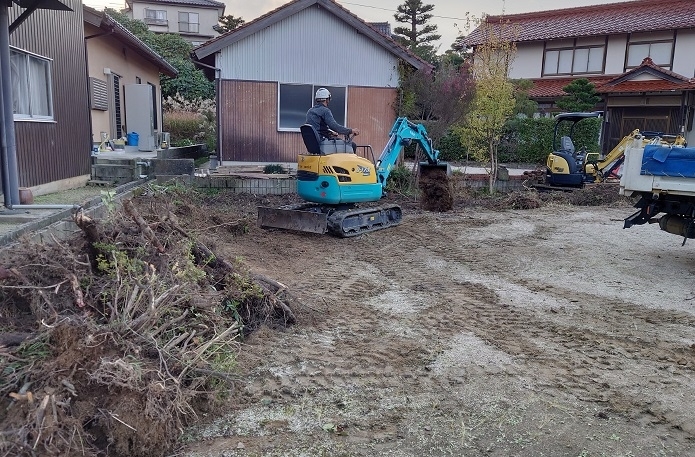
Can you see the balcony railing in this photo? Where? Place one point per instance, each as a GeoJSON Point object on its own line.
{"type": "Point", "coordinates": [153, 21]}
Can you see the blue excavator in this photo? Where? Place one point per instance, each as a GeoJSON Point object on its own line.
{"type": "Point", "coordinates": [333, 180]}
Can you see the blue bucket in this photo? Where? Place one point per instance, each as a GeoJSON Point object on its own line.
{"type": "Point", "coordinates": [133, 139]}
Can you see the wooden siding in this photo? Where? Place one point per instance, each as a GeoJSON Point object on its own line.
{"type": "Point", "coordinates": [371, 110]}
{"type": "Point", "coordinates": [248, 121]}
{"type": "Point", "coordinates": [624, 120]}
{"type": "Point", "coordinates": [51, 151]}
{"type": "Point", "coordinates": [312, 45]}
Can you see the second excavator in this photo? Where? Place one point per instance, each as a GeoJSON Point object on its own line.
{"type": "Point", "coordinates": [569, 168]}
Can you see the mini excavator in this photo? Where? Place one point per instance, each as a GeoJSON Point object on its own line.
{"type": "Point", "coordinates": [333, 181]}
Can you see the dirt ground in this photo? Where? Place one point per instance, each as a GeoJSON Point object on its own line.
{"type": "Point", "coordinates": [522, 325]}
{"type": "Point", "coordinates": [476, 332]}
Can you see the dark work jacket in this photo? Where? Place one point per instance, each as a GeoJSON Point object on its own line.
{"type": "Point", "coordinates": [321, 118]}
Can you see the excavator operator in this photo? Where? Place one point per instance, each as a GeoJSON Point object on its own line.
{"type": "Point", "coordinates": [321, 118]}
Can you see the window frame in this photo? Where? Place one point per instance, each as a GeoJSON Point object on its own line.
{"type": "Point", "coordinates": [339, 94]}
{"type": "Point", "coordinates": [29, 85]}
{"type": "Point", "coordinates": [158, 18]}
{"type": "Point", "coordinates": [573, 48]}
{"type": "Point", "coordinates": [644, 41]}
{"type": "Point", "coordinates": [188, 22]}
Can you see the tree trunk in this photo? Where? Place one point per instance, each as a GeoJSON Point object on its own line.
{"type": "Point", "coordinates": [493, 166]}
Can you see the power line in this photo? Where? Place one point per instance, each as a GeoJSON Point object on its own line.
{"type": "Point", "coordinates": [387, 9]}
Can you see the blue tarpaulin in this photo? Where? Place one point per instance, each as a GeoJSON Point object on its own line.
{"type": "Point", "coordinates": [668, 161]}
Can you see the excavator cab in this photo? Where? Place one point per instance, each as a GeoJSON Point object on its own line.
{"type": "Point", "coordinates": [565, 166]}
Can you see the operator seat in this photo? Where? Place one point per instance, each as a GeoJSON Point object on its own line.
{"type": "Point", "coordinates": [311, 138]}
{"type": "Point", "coordinates": [566, 144]}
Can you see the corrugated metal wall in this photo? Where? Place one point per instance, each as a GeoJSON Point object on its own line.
{"type": "Point", "coordinates": [248, 121]}
{"type": "Point", "coordinates": [57, 150]}
{"type": "Point", "coordinates": [311, 45]}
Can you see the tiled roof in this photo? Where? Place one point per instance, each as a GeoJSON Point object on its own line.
{"type": "Point", "coordinates": [102, 20]}
{"type": "Point", "coordinates": [552, 88]}
{"type": "Point", "coordinates": [200, 3]}
{"type": "Point", "coordinates": [597, 20]}
{"type": "Point", "coordinates": [382, 27]}
{"type": "Point", "coordinates": [661, 80]}
{"type": "Point", "coordinates": [293, 7]}
{"type": "Point", "coordinates": [657, 85]}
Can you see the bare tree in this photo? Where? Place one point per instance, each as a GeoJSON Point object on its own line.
{"type": "Point", "coordinates": [493, 103]}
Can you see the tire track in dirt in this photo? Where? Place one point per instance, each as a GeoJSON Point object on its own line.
{"type": "Point", "coordinates": [404, 318]}
{"type": "Point", "coordinates": [586, 356]}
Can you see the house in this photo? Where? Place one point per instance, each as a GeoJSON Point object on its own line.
{"type": "Point", "coordinates": [50, 97]}
{"type": "Point", "coordinates": [638, 54]}
{"type": "Point", "coordinates": [268, 70]}
{"type": "Point", "coordinates": [53, 95]}
{"type": "Point", "coordinates": [195, 20]}
{"type": "Point", "coordinates": [117, 63]}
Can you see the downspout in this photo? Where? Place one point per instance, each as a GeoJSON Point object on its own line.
{"type": "Point", "coordinates": [9, 149]}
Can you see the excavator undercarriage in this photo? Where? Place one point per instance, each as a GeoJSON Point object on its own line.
{"type": "Point", "coordinates": [343, 221]}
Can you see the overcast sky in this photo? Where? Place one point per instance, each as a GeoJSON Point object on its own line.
{"type": "Point", "coordinates": [450, 16]}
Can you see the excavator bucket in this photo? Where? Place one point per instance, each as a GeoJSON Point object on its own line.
{"type": "Point", "coordinates": [438, 168]}
{"type": "Point", "coordinates": [292, 219]}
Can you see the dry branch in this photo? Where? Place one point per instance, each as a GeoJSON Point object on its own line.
{"type": "Point", "coordinates": [146, 230]}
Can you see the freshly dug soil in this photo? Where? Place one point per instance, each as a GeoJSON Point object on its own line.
{"type": "Point", "coordinates": [436, 189]}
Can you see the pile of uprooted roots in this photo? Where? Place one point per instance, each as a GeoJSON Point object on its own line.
{"type": "Point", "coordinates": [114, 340]}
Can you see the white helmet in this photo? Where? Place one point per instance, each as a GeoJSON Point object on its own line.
{"type": "Point", "coordinates": [322, 94]}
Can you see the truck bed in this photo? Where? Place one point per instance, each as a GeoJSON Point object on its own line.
{"type": "Point", "coordinates": [659, 169]}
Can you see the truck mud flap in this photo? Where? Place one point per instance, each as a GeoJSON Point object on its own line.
{"type": "Point", "coordinates": [292, 219]}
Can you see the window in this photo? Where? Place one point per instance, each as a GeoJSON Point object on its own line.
{"type": "Point", "coordinates": [661, 54]}
{"type": "Point", "coordinates": [575, 60]}
{"type": "Point", "coordinates": [32, 97]}
{"type": "Point", "coordinates": [156, 17]}
{"type": "Point", "coordinates": [188, 22]}
{"type": "Point", "coordinates": [295, 100]}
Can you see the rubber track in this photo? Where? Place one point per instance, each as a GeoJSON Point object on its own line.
{"type": "Point", "coordinates": [356, 221]}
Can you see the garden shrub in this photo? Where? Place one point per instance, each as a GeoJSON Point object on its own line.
{"type": "Point", "coordinates": [191, 121]}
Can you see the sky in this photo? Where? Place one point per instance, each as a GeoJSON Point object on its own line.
{"type": "Point", "coordinates": [450, 16]}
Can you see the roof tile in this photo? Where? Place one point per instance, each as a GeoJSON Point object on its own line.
{"type": "Point", "coordinates": [597, 20]}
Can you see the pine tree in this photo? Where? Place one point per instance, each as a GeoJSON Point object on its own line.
{"type": "Point", "coordinates": [419, 35]}
{"type": "Point", "coordinates": [581, 96]}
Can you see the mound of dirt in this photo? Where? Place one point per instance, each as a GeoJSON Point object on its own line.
{"type": "Point", "coordinates": [114, 341]}
{"type": "Point", "coordinates": [436, 189]}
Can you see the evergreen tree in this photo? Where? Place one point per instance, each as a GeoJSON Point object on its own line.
{"type": "Point", "coordinates": [228, 23]}
{"type": "Point", "coordinates": [581, 96]}
{"type": "Point", "coordinates": [190, 81]}
{"type": "Point", "coordinates": [418, 35]}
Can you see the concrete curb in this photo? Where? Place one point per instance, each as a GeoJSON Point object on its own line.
{"type": "Point", "coordinates": [59, 225]}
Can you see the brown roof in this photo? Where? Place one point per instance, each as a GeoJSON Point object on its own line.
{"type": "Point", "coordinates": [552, 88]}
{"type": "Point", "coordinates": [102, 20]}
{"type": "Point", "coordinates": [662, 80]}
{"type": "Point", "coordinates": [597, 20]}
{"type": "Point", "coordinates": [216, 44]}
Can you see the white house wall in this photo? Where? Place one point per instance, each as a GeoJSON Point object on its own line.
{"type": "Point", "coordinates": [683, 61]}
{"type": "Point", "coordinates": [528, 62]}
{"type": "Point", "coordinates": [615, 54]}
{"type": "Point", "coordinates": [311, 46]}
{"type": "Point", "coordinates": [207, 18]}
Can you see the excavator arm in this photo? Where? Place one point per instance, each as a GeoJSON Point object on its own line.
{"type": "Point", "coordinates": [602, 169]}
{"type": "Point", "coordinates": [403, 133]}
